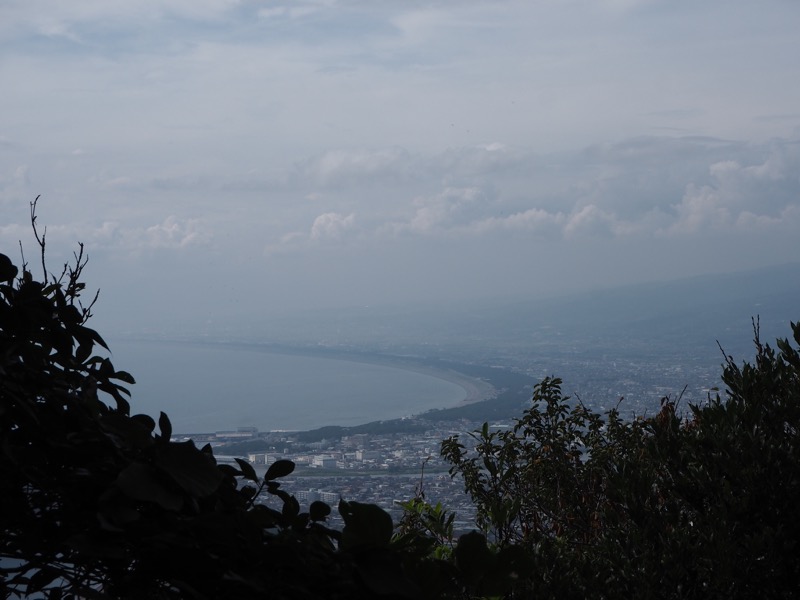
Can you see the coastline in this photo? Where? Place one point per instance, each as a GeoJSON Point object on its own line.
{"type": "Point", "coordinates": [468, 387]}
{"type": "Point", "coordinates": [475, 389]}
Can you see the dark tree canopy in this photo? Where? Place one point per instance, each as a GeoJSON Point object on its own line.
{"type": "Point", "coordinates": [700, 504]}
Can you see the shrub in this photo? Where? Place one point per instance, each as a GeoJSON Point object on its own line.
{"type": "Point", "coordinates": [702, 505]}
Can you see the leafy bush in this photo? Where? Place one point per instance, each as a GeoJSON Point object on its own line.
{"type": "Point", "coordinates": [702, 505]}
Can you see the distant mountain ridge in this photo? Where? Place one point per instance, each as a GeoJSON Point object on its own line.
{"type": "Point", "coordinates": [694, 309]}
{"type": "Point", "coordinates": [659, 316]}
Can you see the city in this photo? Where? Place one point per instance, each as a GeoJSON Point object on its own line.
{"type": "Point", "coordinates": [400, 460]}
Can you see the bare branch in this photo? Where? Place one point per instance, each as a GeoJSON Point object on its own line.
{"type": "Point", "coordinates": [39, 240]}
{"type": "Point", "coordinates": [22, 256]}
{"type": "Point", "coordinates": [87, 312]}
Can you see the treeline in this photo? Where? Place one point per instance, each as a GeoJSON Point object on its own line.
{"type": "Point", "coordinates": [97, 502]}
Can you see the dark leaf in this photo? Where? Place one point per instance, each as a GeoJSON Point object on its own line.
{"type": "Point", "coordinates": [7, 270]}
{"type": "Point", "coordinates": [472, 555]}
{"type": "Point", "coordinates": [229, 470]}
{"type": "Point", "coordinates": [291, 507]}
{"type": "Point", "coordinates": [70, 315]}
{"type": "Point", "coordinates": [42, 578]}
{"type": "Point", "coordinates": [145, 421]}
{"type": "Point", "coordinates": [165, 426]}
{"type": "Point", "coordinates": [97, 338]}
{"type": "Point", "coordinates": [194, 471]}
{"type": "Point", "coordinates": [133, 431]}
{"type": "Point", "coordinates": [365, 524]}
{"type": "Point", "coordinates": [382, 572]}
{"type": "Point", "coordinates": [280, 468]}
{"type": "Point", "coordinates": [247, 470]}
{"type": "Point", "coordinates": [247, 492]}
{"type": "Point", "coordinates": [319, 510]}
{"type": "Point", "coordinates": [83, 352]}
{"type": "Point", "coordinates": [139, 482]}
{"type": "Point", "coordinates": [125, 377]}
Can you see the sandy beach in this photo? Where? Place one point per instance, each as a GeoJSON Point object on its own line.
{"type": "Point", "coordinates": [475, 389]}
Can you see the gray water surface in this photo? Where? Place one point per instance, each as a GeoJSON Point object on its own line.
{"type": "Point", "coordinates": [207, 388]}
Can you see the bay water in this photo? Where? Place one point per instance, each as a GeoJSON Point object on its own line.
{"type": "Point", "coordinates": [215, 387]}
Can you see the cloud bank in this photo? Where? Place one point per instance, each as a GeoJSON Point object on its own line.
{"type": "Point", "coordinates": [342, 152]}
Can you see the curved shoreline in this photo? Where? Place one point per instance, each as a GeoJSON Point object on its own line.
{"type": "Point", "coordinates": [470, 388]}
{"type": "Point", "coordinates": [475, 389]}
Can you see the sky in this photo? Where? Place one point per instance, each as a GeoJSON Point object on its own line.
{"type": "Point", "coordinates": [235, 159]}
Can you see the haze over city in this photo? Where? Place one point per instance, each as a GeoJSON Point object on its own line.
{"type": "Point", "coordinates": [235, 158]}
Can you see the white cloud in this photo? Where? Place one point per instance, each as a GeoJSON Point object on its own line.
{"type": "Point", "coordinates": [589, 220]}
{"type": "Point", "coordinates": [331, 226]}
{"type": "Point", "coordinates": [173, 232]}
{"type": "Point", "coordinates": [534, 219]}
{"type": "Point", "coordinates": [356, 167]}
{"type": "Point", "coordinates": [11, 233]}
{"type": "Point", "coordinates": [743, 196]}
{"type": "Point", "coordinates": [19, 178]}
{"type": "Point", "coordinates": [786, 223]}
{"type": "Point", "coordinates": [641, 187]}
{"type": "Point", "coordinates": [701, 207]}
{"type": "Point", "coordinates": [445, 211]}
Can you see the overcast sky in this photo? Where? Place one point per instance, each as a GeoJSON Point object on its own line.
{"type": "Point", "coordinates": [223, 157]}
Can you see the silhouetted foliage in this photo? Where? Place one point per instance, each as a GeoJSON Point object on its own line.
{"type": "Point", "coordinates": [701, 505]}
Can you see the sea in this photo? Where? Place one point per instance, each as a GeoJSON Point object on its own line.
{"type": "Point", "coordinates": [218, 387]}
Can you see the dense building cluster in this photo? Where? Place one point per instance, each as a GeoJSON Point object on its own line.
{"type": "Point", "coordinates": [389, 468]}
{"type": "Point", "coordinates": [381, 469]}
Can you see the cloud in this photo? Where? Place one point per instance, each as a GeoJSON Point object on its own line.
{"type": "Point", "coordinates": [787, 222]}
{"type": "Point", "coordinates": [630, 189]}
{"type": "Point", "coordinates": [112, 237]}
{"type": "Point", "coordinates": [442, 212]}
{"type": "Point", "coordinates": [353, 168]}
{"type": "Point", "coordinates": [341, 167]}
{"type": "Point", "coordinates": [14, 231]}
{"type": "Point", "coordinates": [327, 228]}
{"type": "Point", "coordinates": [638, 187]}
{"type": "Point", "coordinates": [589, 220]}
{"type": "Point", "coordinates": [173, 232]}
{"type": "Point", "coordinates": [742, 196]}
{"type": "Point", "coordinates": [534, 219]}
{"type": "Point", "coordinates": [15, 182]}
{"type": "Point", "coordinates": [331, 226]}
{"type": "Point", "coordinates": [63, 238]}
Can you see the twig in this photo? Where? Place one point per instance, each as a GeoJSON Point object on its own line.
{"type": "Point", "coordinates": [22, 256]}
{"type": "Point", "coordinates": [39, 240]}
